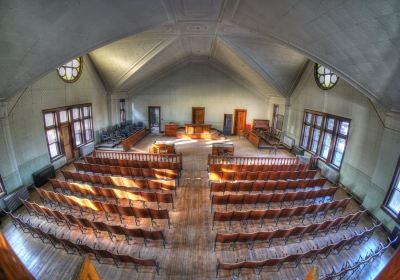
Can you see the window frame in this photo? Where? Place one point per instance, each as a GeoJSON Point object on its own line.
{"type": "Point", "coordinates": [308, 124]}
{"type": "Point", "coordinates": [326, 130]}
{"type": "Point", "coordinates": [81, 119]}
{"type": "Point", "coordinates": [122, 111]}
{"type": "Point", "coordinates": [90, 118]}
{"type": "Point", "coordinates": [70, 120]}
{"type": "Point", "coordinates": [2, 187]}
{"type": "Point", "coordinates": [392, 188]}
{"type": "Point", "coordinates": [73, 121]}
{"type": "Point", "coordinates": [79, 70]}
{"type": "Point", "coordinates": [316, 77]}
{"type": "Point", "coordinates": [275, 112]}
{"type": "Point", "coordinates": [56, 128]}
{"type": "Point", "coordinates": [338, 136]}
{"type": "Point", "coordinates": [313, 126]}
{"type": "Point", "coordinates": [335, 135]}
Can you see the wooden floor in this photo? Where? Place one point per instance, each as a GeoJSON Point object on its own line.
{"type": "Point", "coordinates": [189, 252]}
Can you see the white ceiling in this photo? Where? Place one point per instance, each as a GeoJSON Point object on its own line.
{"type": "Point", "coordinates": [265, 44]}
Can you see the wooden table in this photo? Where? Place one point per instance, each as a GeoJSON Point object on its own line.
{"type": "Point", "coordinates": [197, 128]}
{"type": "Point", "coordinates": [162, 147]}
{"type": "Point", "coordinates": [222, 149]}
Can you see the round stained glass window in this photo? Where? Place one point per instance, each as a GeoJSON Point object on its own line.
{"type": "Point", "coordinates": [324, 77]}
{"type": "Point", "coordinates": [70, 71]}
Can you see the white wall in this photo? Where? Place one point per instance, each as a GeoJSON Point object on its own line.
{"type": "Point", "coordinates": [25, 121]}
{"type": "Point", "coordinates": [372, 150]}
{"type": "Point", "coordinates": [199, 85]}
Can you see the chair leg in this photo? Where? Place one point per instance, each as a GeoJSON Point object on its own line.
{"type": "Point", "coordinates": [127, 238]}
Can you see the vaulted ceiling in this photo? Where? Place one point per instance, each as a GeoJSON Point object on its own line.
{"type": "Point", "coordinates": [264, 44]}
{"type": "Point", "coordinates": [136, 61]}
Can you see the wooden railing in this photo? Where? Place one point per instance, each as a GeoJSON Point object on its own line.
{"type": "Point", "coordinates": [131, 140]}
{"type": "Point", "coordinates": [176, 158]}
{"type": "Point", "coordinates": [261, 176]}
{"type": "Point", "coordinates": [252, 160]}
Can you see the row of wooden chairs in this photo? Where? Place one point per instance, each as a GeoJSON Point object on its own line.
{"type": "Point", "coordinates": [213, 159]}
{"type": "Point", "coordinates": [266, 186]}
{"type": "Point", "coordinates": [94, 207]}
{"type": "Point", "coordinates": [256, 168]}
{"type": "Point", "coordinates": [97, 227]}
{"type": "Point", "coordinates": [121, 182]}
{"type": "Point", "coordinates": [83, 249]}
{"type": "Point", "coordinates": [133, 163]}
{"type": "Point", "coordinates": [268, 198]}
{"type": "Point", "coordinates": [281, 213]}
{"type": "Point", "coordinates": [285, 234]}
{"type": "Point", "coordinates": [347, 270]}
{"type": "Point", "coordinates": [119, 196]}
{"type": "Point", "coordinates": [141, 157]}
{"type": "Point", "coordinates": [260, 175]}
{"type": "Point", "coordinates": [295, 259]}
{"type": "Point", "coordinates": [128, 171]}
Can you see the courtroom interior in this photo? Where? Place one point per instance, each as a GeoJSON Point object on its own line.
{"type": "Point", "coordinates": [200, 139]}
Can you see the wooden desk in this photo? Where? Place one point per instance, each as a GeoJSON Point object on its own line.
{"type": "Point", "coordinates": [222, 149]}
{"type": "Point", "coordinates": [162, 147]}
{"type": "Point", "coordinates": [197, 128]}
{"type": "Point", "coordinates": [170, 129]}
{"type": "Point", "coordinates": [254, 138]}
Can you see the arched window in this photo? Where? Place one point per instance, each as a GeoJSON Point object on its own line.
{"type": "Point", "coordinates": [324, 77]}
{"type": "Point", "coordinates": [70, 71]}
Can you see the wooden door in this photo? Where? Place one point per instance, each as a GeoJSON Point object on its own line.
{"type": "Point", "coordinates": [227, 124]}
{"type": "Point", "coordinates": [240, 120]}
{"type": "Point", "coordinates": [198, 115]}
{"type": "Point", "coordinates": [66, 141]}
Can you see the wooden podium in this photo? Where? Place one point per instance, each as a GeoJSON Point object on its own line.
{"type": "Point", "coordinates": [170, 129]}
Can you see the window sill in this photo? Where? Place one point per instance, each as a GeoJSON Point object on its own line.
{"type": "Point", "coordinates": [56, 158]}
{"type": "Point", "coordinates": [390, 213]}
{"type": "Point", "coordinates": [331, 165]}
{"type": "Point", "coordinates": [324, 161]}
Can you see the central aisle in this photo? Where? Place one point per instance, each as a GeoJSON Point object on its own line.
{"type": "Point", "coordinates": [191, 238]}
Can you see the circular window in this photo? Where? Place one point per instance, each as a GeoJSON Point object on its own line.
{"type": "Point", "coordinates": [324, 77]}
{"type": "Point", "coordinates": [70, 71]}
